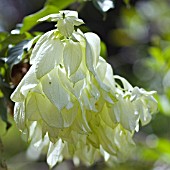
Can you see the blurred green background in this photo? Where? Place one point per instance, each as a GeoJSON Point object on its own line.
{"type": "Point", "coordinates": [135, 41]}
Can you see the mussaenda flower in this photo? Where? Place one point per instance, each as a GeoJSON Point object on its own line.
{"type": "Point", "coordinates": [70, 101]}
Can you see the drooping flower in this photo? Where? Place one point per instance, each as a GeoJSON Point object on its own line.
{"type": "Point", "coordinates": [70, 101]}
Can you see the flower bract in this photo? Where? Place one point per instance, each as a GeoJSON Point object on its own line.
{"type": "Point", "coordinates": [70, 101]}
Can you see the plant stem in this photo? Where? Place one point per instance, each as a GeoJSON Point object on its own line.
{"type": "Point", "coordinates": [3, 165]}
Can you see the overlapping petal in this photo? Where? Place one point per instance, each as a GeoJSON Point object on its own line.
{"type": "Point", "coordinates": [74, 102]}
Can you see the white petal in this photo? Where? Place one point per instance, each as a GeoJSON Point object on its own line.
{"type": "Point", "coordinates": [49, 57]}
{"type": "Point", "coordinates": [54, 90]}
{"type": "Point", "coordinates": [41, 43]}
{"type": "Point", "coordinates": [49, 113]}
{"type": "Point", "coordinates": [127, 86]}
{"type": "Point", "coordinates": [19, 115]}
{"type": "Point", "coordinates": [54, 153]}
{"type": "Point", "coordinates": [125, 114]}
{"type": "Point", "coordinates": [72, 56]}
{"type": "Point", "coordinates": [93, 49]}
{"type": "Point", "coordinates": [51, 17]}
{"type": "Point", "coordinates": [27, 83]}
{"type": "Point", "coordinates": [65, 27]}
{"type": "Point", "coordinates": [69, 13]}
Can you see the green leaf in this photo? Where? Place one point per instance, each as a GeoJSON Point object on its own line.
{"type": "Point", "coordinates": [10, 39]}
{"type": "Point", "coordinates": [72, 56]}
{"type": "Point", "coordinates": [3, 35]}
{"type": "Point", "coordinates": [4, 100]}
{"type": "Point", "coordinates": [60, 4]}
{"type": "Point", "coordinates": [51, 6]}
{"type": "Point", "coordinates": [13, 39]}
{"type": "Point", "coordinates": [5, 88]}
{"type": "Point", "coordinates": [127, 2]}
{"type": "Point", "coordinates": [3, 112]}
{"type": "Point", "coordinates": [15, 54]}
{"type": "Point", "coordinates": [103, 52]}
{"type": "Point", "coordinates": [31, 20]}
{"type": "Point", "coordinates": [157, 54]}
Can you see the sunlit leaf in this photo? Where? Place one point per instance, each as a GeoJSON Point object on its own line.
{"type": "Point", "coordinates": [12, 39]}
{"type": "Point", "coordinates": [157, 54]}
{"type": "Point", "coordinates": [50, 7]}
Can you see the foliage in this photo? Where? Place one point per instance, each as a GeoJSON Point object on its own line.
{"type": "Point", "coordinates": [51, 6]}
{"type": "Point", "coordinates": [147, 32]}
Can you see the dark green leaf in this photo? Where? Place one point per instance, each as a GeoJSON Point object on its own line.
{"type": "Point", "coordinates": [103, 51]}
{"type": "Point", "coordinates": [31, 20]}
{"type": "Point", "coordinates": [5, 88]}
{"type": "Point", "coordinates": [60, 4]}
{"type": "Point", "coordinates": [51, 6]}
{"type": "Point", "coordinates": [3, 112]}
{"type": "Point", "coordinates": [127, 2]}
{"type": "Point", "coordinates": [15, 54]}
{"type": "Point", "coordinates": [3, 35]}
{"type": "Point", "coordinates": [11, 39]}
{"type": "Point", "coordinates": [2, 67]}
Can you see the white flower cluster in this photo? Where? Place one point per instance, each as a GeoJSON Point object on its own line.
{"type": "Point", "coordinates": [70, 98]}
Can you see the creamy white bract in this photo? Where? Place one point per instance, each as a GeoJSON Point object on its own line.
{"type": "Point", "coordinates": [69, 100]}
